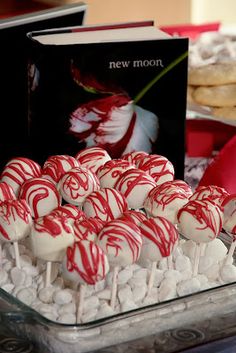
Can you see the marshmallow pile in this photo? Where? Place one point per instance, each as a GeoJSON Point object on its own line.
{"type": "Point", "coordinates": [87, 237]}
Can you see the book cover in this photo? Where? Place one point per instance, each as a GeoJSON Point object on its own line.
{"type": "Point", "coordinates": [13, 71]}
{"type": "Point", "coordinates": [122, 95]}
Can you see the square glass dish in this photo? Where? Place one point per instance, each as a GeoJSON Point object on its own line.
{"type": "Point", "coordinates": [168, 326]}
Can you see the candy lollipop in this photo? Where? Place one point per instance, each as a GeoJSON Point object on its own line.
{"type": "Point", "coordinates": [71, 212]}
{"type": "Point", "coordinates": [160, 237]}
{"type": "Point", "coordinates": [41, 195]}
{"type": "Point", "coordinates": [88, 228]}
{"type": "Point", "coordinates": [105, 204]}
{"type": "Point", "coordinates": [93, 158]}
{"type": "Point", "coordinates": [56, 166]}
{"type": "Point", "coordinates": [84, 263]}
{"type": "Point", "coordinates": [135, 185]}
{"type": "Point", "coordinates": [122, 243]}
{"type": "Point", "coordinates": [18, 170]}
{"type": "Point", "coordinates": [77, 184]}
{"type": "Point", "coordinates": [200, 221]}
{"type": "Point", "coordinates": [165, 201]}
{"type": "Point", "coordinates": [134, 216]}
{"type": "Point", "coordinates": [135, 157]}
{"type": "Point", "coordinates": [15, 223]}
{"type": "Point", "coordinates": [50, 236]}
{"type": "Point", "coordinates": [229, 223]}
{"type": "Point", "coordinates": [6, 192]}
{"type": "Point", "coordinates": [159, 167]}
{"type": "Point", "coordinates": [109, 173]}
{"type": "Point", "coordinates": [213, 192]}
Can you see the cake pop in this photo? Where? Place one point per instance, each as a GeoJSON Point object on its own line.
{"type": "Point", "coordinates": [160, 237]}
{"type": "Point", "coordinates": [109, 173]}
{"type": "Point", "coordinates": [41, 195]}
{"type": "Point", "coordinates": [57, 165]}
{"type": "Point", "coordinates": [77, 184]}
{"type": "Point", "coordinates": [93, 158]}
{"type": "Point", "coordinates": [159, 167]}
{"type": "Point", "coordinates": [122, 242]}
{"type": "Point", "coordinates": [135, 185]}
{"type": "Point", "coordinates": [15, 223]}
{"type": "Point", "coordinates": [200, 221]}
{"type": "Point", "coordinates": [50, 236]}
{"type": "Point", "coordinates": [105, 204]}
{"type": "Point", "coordinates": [18, 170]}
{"type": "Point", "coordinates": [84, 263]}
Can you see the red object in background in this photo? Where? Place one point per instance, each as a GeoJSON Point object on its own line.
{"type": "Point", "coordinates": [222, 170]}
{"type": "Point", "coordinates": [205, 136]}
{"type": "Point", "coordinates": [11, 8]}
{"type": "Point", "coordinates": [189, 30]}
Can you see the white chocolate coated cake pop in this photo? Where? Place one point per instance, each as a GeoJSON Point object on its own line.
{"type": "Point", "coordinates": [121, 241]}
{"type": "Point", "coordinates": [135, 185]}
{"type": "Point", "coordinates": [105, 204]}
{"type": "Point", "coordinates": [160, 237]}
{"type": "Point", "coordinates": [57, 165]}
{"type": "Point", "coordinates": [229, 210]}
{"type": "Point", "coordinates": [71, 212]}
{"type": "Point", "coordinates": [93, 158]}
{"type": "Point", "coordinates": [165, 202]}
{"type": "Point", "coordinates": [77, 184]}
{"type": "Point", "coordinates": [85, 262]}
{"type": "Point", "coordinates": [88, 228]}
{"type": "Point", "coordinates": [135, 157]}
{"type": "Point", "coordinates": [200, 220]}
{"type": "Point", "coordinates": [109, 173]}
{"type": "Point", "coordinates": [212, 192]}
{"type": "Point", "coordinates": [15, 220]}
{"type": "Point", "coordinates": [41, 195]}
{"type": "Point", "coordinates": [50, 236]}
{"type": "Point", "coordinates": [18, 170]}
{"type": "Point", "coordinates": [6, 192]}
{"type": "Point", "coordinates": [159, 167]}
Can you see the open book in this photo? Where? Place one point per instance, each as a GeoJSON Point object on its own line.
{"type": "Point", "coordinates": [118, 86]}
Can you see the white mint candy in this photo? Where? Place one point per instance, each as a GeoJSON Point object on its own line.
{"type": "Point", "coordinates": [228, 273]}
{"type": "Point", "coordinates": [188, 287]}
{"type": "Point", "coordinates": [216, 249]}
{"type": "Point", "coordinates": [167, 289]}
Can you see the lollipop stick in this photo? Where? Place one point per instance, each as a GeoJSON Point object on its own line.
{"type": "Point", "coordinates": [1, 257]}
{"type": "Point", "coordinates": [170, 262]}
{"type": "Point", "coordinates": [114, 287]}
{"type": "Point", "coordinates": [48, 273]}
{"type": "Point", "coordinates": [196, 259]}
{"type": "Point", "coordinates": [17, 254]}
{"type": "Point", "coordinates": [82, 289]}
{"type": "Point", "coordinates": [151, 278]}
{"type": "Point", "coordinates": [230, 253]}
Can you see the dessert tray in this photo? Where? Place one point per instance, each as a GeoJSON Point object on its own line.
{"type": "Point", "coordinates": [168, 326]}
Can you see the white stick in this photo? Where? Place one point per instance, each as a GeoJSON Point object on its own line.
{"type": "Point", "coordinates": [17, 254]}
{"type": "Point", "coordinates": [114, 287]}
{"type": "Point", "coordinates": [48, 273]}
{"type": "Point", "coordinates": [1, 257]}
{"type": "Point", "coordinates": [82, 290]}
{"type": "Point", "coordinates": [196, 259]}
{"type": "Point", "coordinates": [203, 249]}
{"type": "Point", "coordinates": [230, 252]}
{"type": "Point", "coordinates": [170, 262]}
{"type": "Point", "coordinates": [151, 278]}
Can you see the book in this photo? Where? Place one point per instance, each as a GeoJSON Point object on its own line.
{"type": "Point", "coordinates": [118, 86]}
{"type": "Point", "coordinates": [14, 71]}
